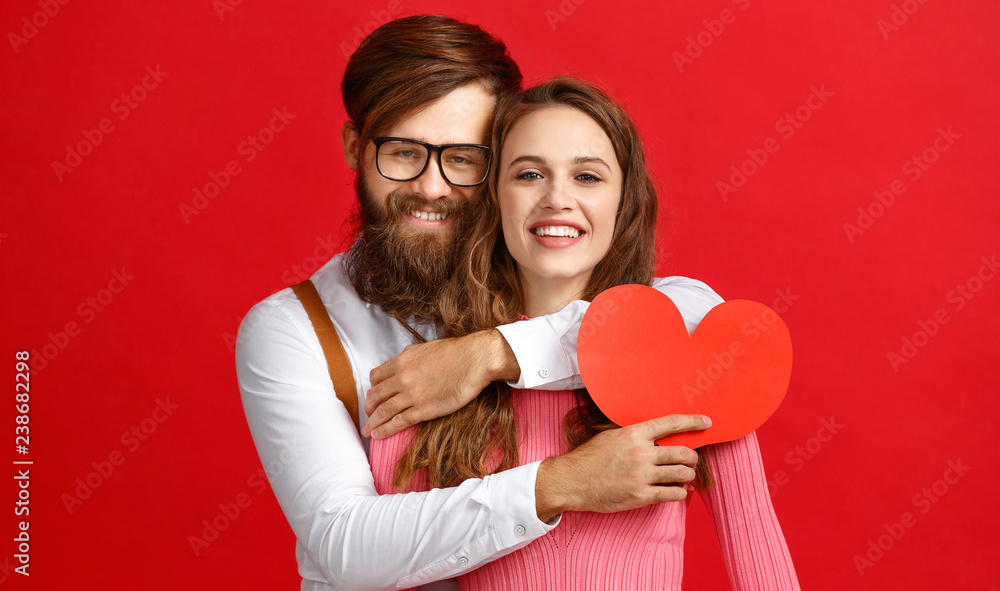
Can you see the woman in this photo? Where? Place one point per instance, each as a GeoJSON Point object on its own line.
{"type": "Point", "coordinates": [568, 211]}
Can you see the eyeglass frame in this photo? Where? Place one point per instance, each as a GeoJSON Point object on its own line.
{"type": "Point", "coordinates": [431, 148]}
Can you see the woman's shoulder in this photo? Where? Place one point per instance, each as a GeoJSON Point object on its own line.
{"type": "Point", "coordinates": [688, 288]}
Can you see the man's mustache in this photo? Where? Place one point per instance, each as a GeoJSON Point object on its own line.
{"type": "Point", "coordinates": [400, 203]}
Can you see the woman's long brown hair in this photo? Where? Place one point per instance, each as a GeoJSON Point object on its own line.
{"type": "Point", "coordinates": [485, 292]}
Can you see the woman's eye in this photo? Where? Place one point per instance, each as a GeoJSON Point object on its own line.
{"type": "Point", "coordinates": [588, 178]}
{"type": "Point", "coordinates": [528, 175]}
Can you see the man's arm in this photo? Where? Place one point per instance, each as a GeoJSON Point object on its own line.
{"type": "Point", "coordinates": [357, 539]}
{"type": "Point", "coordinates": [434, 379]}
{"type": "Point", "coordinates": [620, 469]}
{"type": "Point", "coordinates": [545, 347]}
{"type": "Point", "coordinates": [320, 474]}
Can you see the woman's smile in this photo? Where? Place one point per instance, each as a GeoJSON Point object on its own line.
{"type": "Point", "coordinates": [557, 233]}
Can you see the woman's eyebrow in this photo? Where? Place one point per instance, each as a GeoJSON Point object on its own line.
{"type": "Point", "coordinates": [590, 159]}
{"type": "Point", "coordinates": [527, 158]}
{"type": "Point", "coordinates": [577, 160]}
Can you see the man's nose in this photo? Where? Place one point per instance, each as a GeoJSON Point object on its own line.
{"type": "Point", "coordinates": [431, 183]}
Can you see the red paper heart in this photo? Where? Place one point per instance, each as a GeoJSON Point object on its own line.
{"type": "Point", "coordinates": [639, 363]}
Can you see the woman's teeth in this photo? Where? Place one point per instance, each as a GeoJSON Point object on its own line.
{"type": "Point", "coordinates": [561, 231]}
{"type": "Point", "coordinates": [426, 215]}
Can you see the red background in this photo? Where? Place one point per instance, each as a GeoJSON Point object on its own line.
{"type": "Point", "coordinates": [167, 335]}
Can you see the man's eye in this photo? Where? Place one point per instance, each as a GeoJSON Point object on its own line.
{"type": "Point", "coordinates": [466, 159]}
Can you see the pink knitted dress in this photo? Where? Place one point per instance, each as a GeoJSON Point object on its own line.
{"type": "Point", "coordinates": [640, 549]}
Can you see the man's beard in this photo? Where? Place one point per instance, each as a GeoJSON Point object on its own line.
{"type": "Point", "coordinates": [394, 265]}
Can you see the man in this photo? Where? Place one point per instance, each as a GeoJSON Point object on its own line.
{"type": "Point", "coordinates": [420, 93]}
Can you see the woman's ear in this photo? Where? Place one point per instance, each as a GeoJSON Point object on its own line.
{"type": "Point", "coordinates": [350, 136]}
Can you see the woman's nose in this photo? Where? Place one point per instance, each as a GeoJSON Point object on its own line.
{"type": "Point", "coordinates": [557, 197]}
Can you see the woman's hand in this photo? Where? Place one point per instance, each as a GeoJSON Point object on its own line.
{"type": "Point", "coordinates": [433, 379]}
{"type": "Point", "coordinates": [619, 470]}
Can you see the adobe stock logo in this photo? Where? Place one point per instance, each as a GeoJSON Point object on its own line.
{"type": "Point", "coordinates": [787, 126]}
{"type": "Point", "coordinates": [713, 29]}
{"type": "Point", "coordinates": [230, 511]}
{"type": "Point", "coordinates": [104, 469]}
{"type": "Point", "coordinates": [958, 297]}
{"type": "Point", "coordinates": [223, 7]}
{"type": "Point", "coordinates": [797, 457]}
{"type": "Point", "coordinates": [87, 310]}
{"type": "Point", "coordinates": [31, 26]}
{"type": "Point", "coordinates": [914, 169]}
{"type": "Point", "coordinates": [249, 149]}
{"type": "Point", "coordinates": [121, 106]}
{"type": "Point", "coordinates": [724, 360]}
{"type": "Point", "coordinates": [379, 18]}
{"type": "Point", "coordinates": [900, 16]}
{"type": "Point", "coordinates": [924, 500]}
{"type": "Point", "coordinates": [563, 11]}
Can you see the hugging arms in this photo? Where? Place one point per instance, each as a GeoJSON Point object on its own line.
{"type": "Point", "coordinates": [348, 536]}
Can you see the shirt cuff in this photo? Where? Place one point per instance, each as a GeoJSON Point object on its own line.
{"type": "Point", "coordinates": [511, 495]}
{"type": "Point", "coordinates": [515, 490]}
{"type": "Point", "coordinates": [538, 351]}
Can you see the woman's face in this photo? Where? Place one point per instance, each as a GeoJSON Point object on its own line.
{"type": "Point", "coordinates": [559, 188]}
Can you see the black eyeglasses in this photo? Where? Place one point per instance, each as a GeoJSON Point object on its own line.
{"type": "Point", "coordinates": [401, 159]}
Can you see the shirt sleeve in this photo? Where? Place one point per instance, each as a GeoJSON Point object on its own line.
{"type": "Point", "coordinates": [753, 546]}
{"type": "Point", "coordinates": [317, 466]}
{"type": "Point", "coordinates": [545, 347]}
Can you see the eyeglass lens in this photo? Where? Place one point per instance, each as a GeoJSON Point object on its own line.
{"type": "Point", "coordinates": [404, 161]}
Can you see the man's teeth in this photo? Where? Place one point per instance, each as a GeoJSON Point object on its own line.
{"type": "Point", "coordinates": [429, 216]}
{"type": "Point", "coordinates": [562, 231]}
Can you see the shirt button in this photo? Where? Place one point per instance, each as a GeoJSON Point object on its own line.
{"type": "Point", "coordinates": [519, 530]}
{"type": "Point", "coordinates": [544, 372]}
{"type": "Point", "coordinates": [463, 560]}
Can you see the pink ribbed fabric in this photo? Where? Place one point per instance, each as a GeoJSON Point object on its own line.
{"type": "Point", "coordinates": [640, 549]}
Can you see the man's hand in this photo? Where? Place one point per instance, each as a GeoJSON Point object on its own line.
{"type": "Point", "coordinates": [434, 379]}
{"type": "Point", "coordinates": [618, 470]}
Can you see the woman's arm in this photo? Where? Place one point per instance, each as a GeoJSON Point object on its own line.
{"type": "Point", "coordinates": [753, 546]}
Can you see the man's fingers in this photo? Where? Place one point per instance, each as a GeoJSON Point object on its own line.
{"type": "Point", "coordinates": [383, 413]}
{"type": "Point", "coordinates": [673, 474]}
{"type": "Point", "coordinates": [654, 429]}
{"type": "Point", "coordinates": [676, 454]}
{"type": "Point", "coordinates": [383, 371]}
{"type": "Point", "coordinates": [395, 425]}
{"type": "Point", "coordinates": [376, 395]}
{"type": "Point", "coordinates": [669, 494]}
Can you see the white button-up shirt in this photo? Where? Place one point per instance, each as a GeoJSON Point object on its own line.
{"type": "Point", "coordinates": [349, 537]}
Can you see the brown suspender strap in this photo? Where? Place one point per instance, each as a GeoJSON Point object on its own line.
{"type": "Point", "coordinates": [336, 358]}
